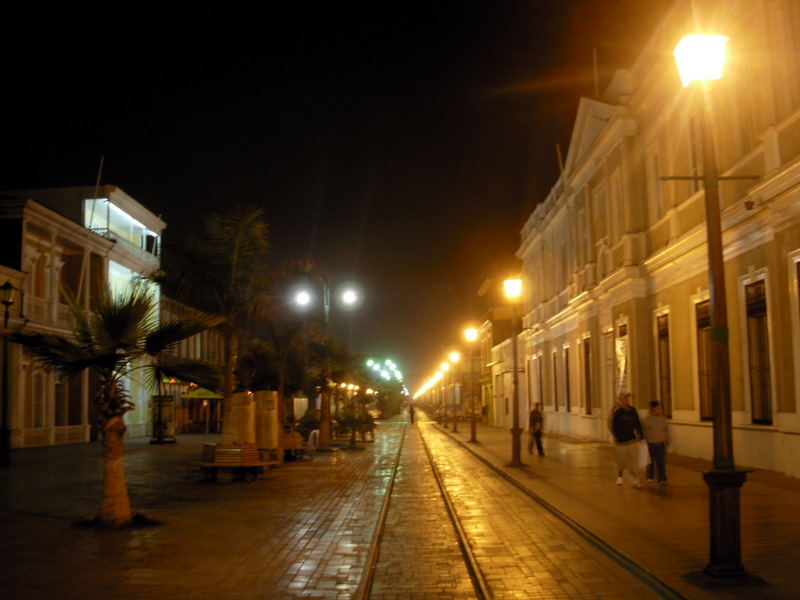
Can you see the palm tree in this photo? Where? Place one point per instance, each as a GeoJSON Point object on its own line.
{"type": "Point", "coordinates": [120, 334]}
{"type": "Point", "coordinates": [273, 358]}
{"type": "Point", "coordinates": [223, 274]}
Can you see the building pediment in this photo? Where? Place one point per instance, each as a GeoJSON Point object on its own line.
{"type": "Point", "coordinates": [598, 126]}
{"type": "Point", "coordinates": [592, 118]}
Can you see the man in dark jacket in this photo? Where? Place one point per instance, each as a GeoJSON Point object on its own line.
{"type": "Point", "coordinates": [627, 431]}
{"type": "Point", "coordinates": [535, 425]}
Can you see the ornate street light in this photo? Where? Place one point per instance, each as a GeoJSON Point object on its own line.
{"type": "Point", "coordinates": [349, 297]}
{"type": "Point", "coordinates": [700, 59]}
{"type": "Point", "coordinates": [513, 291]}
{"type": "Point", "coordinates": [7, 299]}
{"type": "Point", "coordinates": [471, 335]}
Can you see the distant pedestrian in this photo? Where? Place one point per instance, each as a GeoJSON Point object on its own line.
{"type": "Point", "coordinates": [535, 425]}
{"type": "Point", "coordinates": [627, 431]}
{"type": "Point", "coordinates": [656, 434]}
{"type": "Point", "coordinates": [411, 413]}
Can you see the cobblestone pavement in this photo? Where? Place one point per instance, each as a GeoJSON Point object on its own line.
{"type": "Point", "coordinates": [664, 531]}
{"type": "Point", "coordinates": [521, 548]}
{"type": "Point", "coordinates": [419, 557]}
{"type": "Point", "coordinates": [304, 529]}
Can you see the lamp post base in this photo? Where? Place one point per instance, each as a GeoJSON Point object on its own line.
{"type": "Point", "coordinates": [516, 448]}
{"type": "Point", "coordinates": [5, 448]}
{"type": "Point", "coordinates": [725, 567]}
{"type": "Point", "coordinates": [704, 580]}
{"type": "Point", "coordinates": [473, 439]}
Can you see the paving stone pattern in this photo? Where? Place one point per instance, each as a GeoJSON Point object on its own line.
{"type": "Point", "coordinates": [522, 549]}
{"type": "Point", "coordinates": [304, 530]}
{"type": "Point", "coordinates": [419, 557]}
{"type": "Point", "coordinates": [301, 532]}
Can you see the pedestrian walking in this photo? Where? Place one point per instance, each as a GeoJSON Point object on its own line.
{"type": "Point", "coordinates": [535, 426]}
{"type": "Point", "coordinates": [656, 434]}
{"type": "Point", "coordinates": [627, 431]}
{"type": "Point", "coordinates": [411, 413]}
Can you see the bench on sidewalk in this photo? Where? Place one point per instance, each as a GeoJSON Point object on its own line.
{"type": "Point", "coordinates": [244, 461]}
{"type": "Point", "coordinates": [294, 446]}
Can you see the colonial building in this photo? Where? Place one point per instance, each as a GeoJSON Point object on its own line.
{"type": "Point", "coordinates": [196, 410]}
{"type": "Point", "coordinates": [82, 240]}
{"type": "Point", "coordinates": [616, 260]}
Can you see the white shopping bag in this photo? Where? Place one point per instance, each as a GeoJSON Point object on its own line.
{"type": "Point", "coordinates": [644, 455]}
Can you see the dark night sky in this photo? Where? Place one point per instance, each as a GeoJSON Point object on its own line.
{"type": "Point", "coordinates": [397, 144]}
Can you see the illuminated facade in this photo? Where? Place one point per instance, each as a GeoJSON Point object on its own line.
{"type": "Point", "coordinates": [616, 262]}
{"type": "Point", "coordinates": [82, 239]}
{"type": "Point", "coordinates": [197, 410]}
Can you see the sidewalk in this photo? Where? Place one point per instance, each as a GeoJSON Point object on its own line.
{"type": "Point", "coordinates": [299, 531]}
{"type": "Point", "coordinates": [664, 530]}
{"type": "Point", "coordinates": [305, 525]}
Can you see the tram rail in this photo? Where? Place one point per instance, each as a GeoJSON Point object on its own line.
{"type": "Point", "coordinates": [483, 588]}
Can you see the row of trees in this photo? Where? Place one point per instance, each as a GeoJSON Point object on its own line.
{"type": "Point", "coordinates": [227, 274]}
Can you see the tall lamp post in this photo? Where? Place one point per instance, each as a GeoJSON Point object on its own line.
{"type": "Point", "coordinates": [471, 335]}
{"type": "Point", "coordinates": [454, 357]}
{"type": "Point", "coordinates": [349, 297]}
{"type": "Point", "coordinates": [7, 298]}
{"type": "Point", "coordinates": [513, 290]}
{"type": "Point", "coordinates": [700, 59]}
{"type": "Point", "coordinates": [444, 368]}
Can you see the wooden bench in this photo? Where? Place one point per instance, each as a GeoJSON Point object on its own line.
{"type": "Point", "coordinates": [294, 446]}
{"type": "Point", "coordinates": [244, 461]}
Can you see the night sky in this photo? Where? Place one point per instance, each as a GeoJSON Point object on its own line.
{"type": "Point", "coordinates": [401, 145]}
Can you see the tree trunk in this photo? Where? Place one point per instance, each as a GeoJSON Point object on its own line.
{"type": "Point", "coordinates": [353, 441]}
{"type": "Point", "coordinates": [227, 406]}
{"type": "Point", "coordinates": [115, 506]}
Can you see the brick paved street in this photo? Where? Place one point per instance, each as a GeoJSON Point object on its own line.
{"type": "Point", "coordinates": [304, 530]}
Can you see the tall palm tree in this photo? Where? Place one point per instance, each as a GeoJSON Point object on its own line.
{"type": "Point", "coordinates": [120, 334]}
{"type": "Point", "coordinates": [224, 273]}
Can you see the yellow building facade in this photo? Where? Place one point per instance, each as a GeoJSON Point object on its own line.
{"type": "Point", "coordinates": [616, 261]}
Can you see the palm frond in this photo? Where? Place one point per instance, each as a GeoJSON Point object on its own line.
{"type": "Point", "coordinates": [170, 333]}
{"type": "Point", "coordinates": [82, 328]}
{"type": "Point", "coordinates": [121, 322]}
{"type": "Point", "coordinates": [55, 353]}
{"type": "Point", "coordinates": [184, 369]}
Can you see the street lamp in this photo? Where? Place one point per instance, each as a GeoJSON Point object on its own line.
{"type": "Point", "coordinates": [700, 59]}
{"type": "Point", "coordinates": [7, 298]}
{"type": "Point", "coordinates": [454, 357]}
{"type": "Point", "coordinates": [471, 335]}
{"type": "Point", "coordinates": [513, 291]}
{"type": "Point", "coordinates": [349, 297]}
{"type": "Point", "coordinates": [444, 368]}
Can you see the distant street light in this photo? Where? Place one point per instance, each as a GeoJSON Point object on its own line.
{"type": "Point", "coordinates": [513, 291]}
{"type": "Point", "coordinates": [701, 58]}
{"type": "Point", "coordinates": [7, 299]}
{"type": "Point", "coordinates": [471, 335]}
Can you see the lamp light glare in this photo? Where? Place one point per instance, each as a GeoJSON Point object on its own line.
{"type": "Point", "coordinates": [513, 288]}
{"type": "Point", "coordinates": [349, 297]}
{"type": "Point", "coordinates": [700, 57]}
{"type": "Point", "coordinates": [303, 298]}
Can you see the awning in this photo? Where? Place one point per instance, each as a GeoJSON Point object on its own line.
{"type": "Point", "coordinates": [202, 393]}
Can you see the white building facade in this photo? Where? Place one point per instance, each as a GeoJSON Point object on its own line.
{"type": "Point", "coordinates": [615, 258]}
{"type": "Point", "coordinates": [84, 240]}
